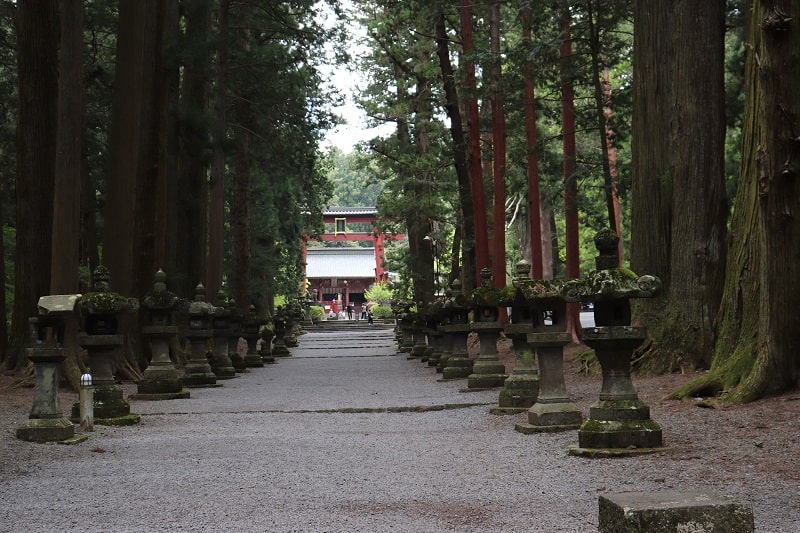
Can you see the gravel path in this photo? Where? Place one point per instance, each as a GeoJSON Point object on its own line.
{"type": "Point", "coordinates": [346, 435]}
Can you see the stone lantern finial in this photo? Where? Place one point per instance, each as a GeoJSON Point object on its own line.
{"type": "Point", "coordinates": [606, 241]}
{"type": "Point", "coordinates": [486, 277]}
{"type": "Point", "coordinates": [101, 279]}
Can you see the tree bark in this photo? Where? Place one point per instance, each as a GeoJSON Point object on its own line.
{"type": "Point", "coordinates": [480, 252]}
{"type": "Point", "coordinates": [534, 201]}
{"type": "Point", "coordinates": [571, 236]}
{"type": "Point", "coordinates": [37, 88]}
{"type": "Point", "coordinates": [216, 208]}
{"type": "Point", "coordinates": [67, 183]}
{"type": "Point", "coordinates": [699, 210]}
{"type": "Point", "coordinates": [499, 154]}
{"type": "Point", "coordinates": [194, 144]}
{"type": "Point", "coordinates": [460, 148]}
{"type": "Point", "coordinates": [757, 348]}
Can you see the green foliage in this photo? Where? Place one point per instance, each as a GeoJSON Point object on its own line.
{"type": "Point", "coordinates": [381, 312]}
{"type": "Point", "coordinates": [316, 313]}
{"type": "Point", "coordinates": [380, 293]}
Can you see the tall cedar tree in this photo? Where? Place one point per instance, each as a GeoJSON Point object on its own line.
{"type": "Point", "coordinates": [758, 336]}
{"type": "Point", "coordinates": [67, 186]}
{"type": "Point", "coordinates": [37, 29]}
{"type": "Point", "coordinates": [534, 203]}
{"type": "Point", "coordinates": [570, 164]}
{"type": "Point", "coordinates": [216, 207]}
{"type": "Point", "coordinates": [481, 250]}
{"type": "Point", "coordinates": [192, 205]}
{"type": "Point", "coordinates": [498, 154]}
{"type": "Point", "coordinates": [651, 197]}
{"type": "Point", "coordinates": [460, 150]}
{"type": "Point", "coordinates": [697, 229]}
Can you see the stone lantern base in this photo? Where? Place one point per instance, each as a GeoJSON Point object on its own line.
{"type": "Point", "coordinates": [459, 365]}
{"type": "Point", "coordinates": [49, 430]}
{"type": "Point", "coordinates": [488, 372]}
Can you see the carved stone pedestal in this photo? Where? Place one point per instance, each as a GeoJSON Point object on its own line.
{"type": "Point", "coordinates": [110, 407]}
{"type": "Point", "coordinates": [553, 410]}
{"type": "Point", "coordinates": [521, 388]}
{"type": "Point", "coordinates": [459, 364]}
{"type": "Point", "coordinates": [46, 422]}
{"type": "Point", "coordinates": [161, 380]}
{"type": "Point", "coordinates": [618, 420]}
{"type": "Point", "coordinates": [488, 371]}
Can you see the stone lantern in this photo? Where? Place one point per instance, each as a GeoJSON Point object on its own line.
{"type": "Point", "coordinates": [553, 410]}
{"type": "Point", "coordinates": [521, 388]}
{"type": "Point", "coordinates": [101, 310]}
{"type": "Point", "coordinates": [434, 316]}
{"type": "Point", "coordinates": [221, 363]}
{"type": "Point", "coordinates": [198, 372]}
{"type": "Point", "coordinates": [619, 423]}
{"type": "Point", "coordinates": [459, 364]}
{"type": "Point", "coordinates": [161, 380]}
{"type": "Point", "coordinates": [487, 371]}
{"type": "Point", "coordinates": [46, 422]}
{"type": "Point", "coordinates": [281, 325]}
{"type": "Point", "coordinates": [404, 333]}
{"type": "Point", "coordinates": [418, 333]}
{"type": "Point", "coordinates": [235, 322]}
{"type": "Point", "coordinates": [251, 327]}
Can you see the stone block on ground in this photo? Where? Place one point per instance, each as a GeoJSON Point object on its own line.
{"type": "Point", "coordinates": [673, 511]}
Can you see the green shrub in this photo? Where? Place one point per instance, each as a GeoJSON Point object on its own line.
{"type": "Point", "coordinates": [316, 312]}
{"type": "Point", "coordinates": [380, 311]}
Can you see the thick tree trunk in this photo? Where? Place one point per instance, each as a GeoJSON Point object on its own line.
{"type": "Point", "coordinates": [37, 79]}
{"type": "Point", "coordinates": [758, 343]}
{"type": "Point", "coordinates": [480, 253]}
{"type": "Point", "coordinates": [460, 147]}
{"type": "Point", "coordinates": [66, 211]}
{"type": "Point", "coordinates": [571, 235]}
{"type": "Point", "coordinates": [194, 144]}
{"type": "Point", "coordinates": [534, 201]}
{"type": "Point", "coordinates": [240, 211]}
{"type": "Point", "coordinates": [651, 186]}
{"type": "Point", "coordinates": [123, 145]}
{"type": "Point", "coordinates": [699, 210]}
{"type": "Point", "coordinates": [499, 155]}
{"type": "Point", "coordinates": [216, 215]}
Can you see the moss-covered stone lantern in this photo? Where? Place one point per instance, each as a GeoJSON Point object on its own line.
{"type": "Point", "coordinates": [459, 364]}
{"type": "Point", "coordinates": [161, 380]}
{"type": "Point", "coordinates": [521, 388]}
{"type": "Point", "coordinates": [220, 362]}
{"type": "Point", "coordinates": [251, 331]}
{"type": "Point", "coordinates": [553, 410]}
{"type": "Point", "coordinates": [46, 421]}
{"type": "Point", "coordinates": [487, 371]}
{"type": "Point", "coordinates": [235, 321]}
{"type": "Point", "coordinates": [101, 310]}
{"type": "Point", "coordinates": [619, 423]}
{"type": "Point", "coordinates": [198, 372]}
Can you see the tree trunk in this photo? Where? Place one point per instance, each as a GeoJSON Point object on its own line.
{"type": "Point", "coordinates": [460, 148]}
{"type": "Point", "coordinates": [570, 168]}
{"type": "Point", "coordinates": [757, 349]}
{"type": "Point", "coordinates": [534, 202]}
{"type": "Point", "coordinates": [499, 154]}
{"type": "Point", "coordinates": [123, 146]}
{"type": "Point", "coordinates": [480, 253]}
{"type": "Point", "coordinates": [67, 186]}
{"type": "Point", "coordinates": [216, 215]}
{"type": "Point", "coordinates": [194, 143]}
{"type": "Point", "coordinates": [699, 209]}
{"type": "Point", "coordinates": [651, 186]}
{"type": "Point", "coordinates": [37, 88]}
{"type": "Point", "coordinates": [240, 212]}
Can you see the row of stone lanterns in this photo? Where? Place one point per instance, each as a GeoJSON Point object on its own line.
{"type": "Point", "coordinates": [619, 423]}
{"type": "Point", "coordinates": [207, 325]}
